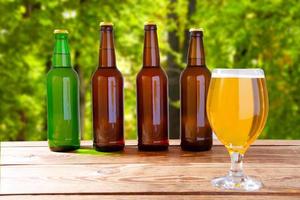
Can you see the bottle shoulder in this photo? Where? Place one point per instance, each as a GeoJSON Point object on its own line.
{"type": "Point", "coordinates": [62, 72]}
{"type": "Point", "coordinates": [151, 71]}
{"type": "Point", "coordinates": [107, 72]}
{"type": "Point", "coordinates": [195, 71]}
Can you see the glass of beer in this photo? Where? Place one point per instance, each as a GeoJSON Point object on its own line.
{"type": "Point", "coordinates": [237, 109]}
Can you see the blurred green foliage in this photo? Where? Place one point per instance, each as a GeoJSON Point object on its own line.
{"type": "Point", "coordinates": [239, 34]}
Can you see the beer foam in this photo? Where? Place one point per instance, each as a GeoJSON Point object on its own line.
{"type": "Point", "coordinates": [238, 73]}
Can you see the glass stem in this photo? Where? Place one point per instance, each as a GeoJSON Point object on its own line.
{"type": "Point", "coordinates": [236, 169]}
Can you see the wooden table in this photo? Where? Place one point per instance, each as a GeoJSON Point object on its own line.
{"type": "Point", "coordinates": [30, 171]}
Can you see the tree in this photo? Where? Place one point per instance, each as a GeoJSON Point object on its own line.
{"type": "Point", "coordinates": [242, 34]}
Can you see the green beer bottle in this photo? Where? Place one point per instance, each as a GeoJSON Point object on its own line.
{"type": "Point", "coordinates": [63, 98]}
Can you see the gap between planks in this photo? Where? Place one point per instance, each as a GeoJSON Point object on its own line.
{"type": "Point", "coordinates": [154, 197]}
{"type": "Point", "coordinates": [200, 193]}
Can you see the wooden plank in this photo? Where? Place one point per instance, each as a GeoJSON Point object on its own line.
{"type": "Point", "coordinates": [286, 156]}
{"type": "Point", "coordinates": [150, 197]}
{"type": "Point", "coordinates": [30, 168]}
{"type": "Point", "coordinates": [139, 179]}
{"type": "Point", "coordinates": [88, 143]}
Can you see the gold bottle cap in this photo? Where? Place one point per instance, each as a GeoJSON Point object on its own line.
{"type": "Point", "coordinates": [196, 30]}
{"type": "Point", "coordinates": [106, 24]}
{"type": "Point", "coordinates": [149, 23]}
{"type": "Point", "coordinates": [57, 31]}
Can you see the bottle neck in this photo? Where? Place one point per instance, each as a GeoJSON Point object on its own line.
{"type": "Point", "coordinates": [196, 55]}
{"type": "Point", "coordinates": [61, 53]}
{"type": "Point", "coordinates": [151, 50]}
{"type": "Point", "coordinates": [107, 57]}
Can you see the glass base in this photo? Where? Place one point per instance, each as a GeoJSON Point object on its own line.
{"type": "Point", "coordinates": [64, 148]}
{"type": "Point", "coordinates": [109, 148]}
{"type": "Point", "coordinates": [243, 183]}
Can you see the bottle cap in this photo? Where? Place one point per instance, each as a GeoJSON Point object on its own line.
{"type": "Point", "coordinates": [196, 30]}
{"type": "Point", "coordinates": [58, 31]}
{"type": "Point", "coordinates": [150, 23]}
{"type": "Point", "coordinates": [106, 24]}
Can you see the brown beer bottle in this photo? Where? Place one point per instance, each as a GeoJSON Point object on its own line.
{"type": "Point", "coordinates": [107, 94]}
{"type": "Point", "coordinates": [196, 133]}
{"type": "Point", "coordinates": [152, 97]}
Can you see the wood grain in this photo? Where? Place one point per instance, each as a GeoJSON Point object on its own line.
{"type": "Point", "coordinates": [283, 155]}
{"type": "Point", "coordinates": [137, 178]}
{"type": "Point", "coordinates": [30, 171]}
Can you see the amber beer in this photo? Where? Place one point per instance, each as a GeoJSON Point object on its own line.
{"type": "Point", "coordinates": [196, 133]}
{"type": "Point", "coordinates": [107, 94]}
{"type": "Point", "coordinates": [238, 109]}
{"type": "Point", "coordinates": [152, 96]}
